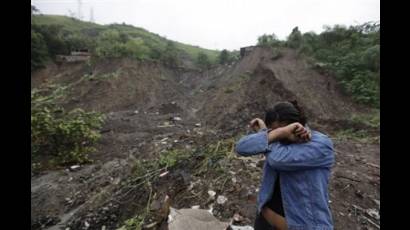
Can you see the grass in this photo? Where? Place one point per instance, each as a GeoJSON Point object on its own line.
{"type": "Point", "coordinates": [154, 40]}
{"type": "Point", "coordinates": [70, 24]}
{"type": "Point", "coordinates": [210, 161]}
{"type": "Point", "coordinates": [371, 119]}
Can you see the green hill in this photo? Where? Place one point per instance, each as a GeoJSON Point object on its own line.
{"type": "Point", "coordinates": [60, 34]}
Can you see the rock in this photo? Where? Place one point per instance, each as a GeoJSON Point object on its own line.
{"type": "Point", "coordinates": [75, 168]}
{"type": "Point", "coordinates": [103, 227]}
{"type": "Point", "coordinates": [87, 225]}
{"type": "Point", "coordinates": [373, 213]}
{"type": "Point", "coordinates": [233, 180]}
{"type": "Point", "coordinates": [359, 194]}
{"type": "Point", "coordinates": [211, 194]}
{"type": "Point", "coordinates": [199, 219]}
{"type": "Point", "coordinates": [221, 199]}
{"type": "Point", "coordinates": [237, 217]}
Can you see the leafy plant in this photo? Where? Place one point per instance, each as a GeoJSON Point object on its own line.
{"type": "Point", "coordinates": [64, 137]}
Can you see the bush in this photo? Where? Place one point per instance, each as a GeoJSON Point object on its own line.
{"type": "Point", "coordinates": [170, 55]}
{"type": "Point", "coordinates": [39, 51]}
{"type": "Point", "coordinates": [352, 54]}
{"type": "Point", "coordinates": [295, 38]}
{"type": "Point", "coordinates": [223, 57]}
{"type": "Point", "coordinates": [269, 40]}
{"type": "Point", "coordinates": [65, 137]}
{"type": "Point", "coordinates": [203, 61]}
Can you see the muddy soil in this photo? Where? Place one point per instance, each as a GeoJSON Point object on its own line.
{"type": "Point", "coordinates": [151, 109]}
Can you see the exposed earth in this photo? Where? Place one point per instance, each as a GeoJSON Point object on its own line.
{"type": "Point", "coordinates": [151, 109]}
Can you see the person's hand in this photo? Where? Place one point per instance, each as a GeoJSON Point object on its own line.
{"type": "Point", "coordinates": [294, 132]}
{"type": "Point", "coordinates": [257, 124]}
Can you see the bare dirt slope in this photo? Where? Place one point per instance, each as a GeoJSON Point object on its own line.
{"type": "Point", "coordinates": [141, 101]}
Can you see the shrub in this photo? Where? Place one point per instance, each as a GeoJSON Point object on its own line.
{"type": "Point", "coordinates": [203, 61]}
{"type": "Point", "coordinates": [65, 137]}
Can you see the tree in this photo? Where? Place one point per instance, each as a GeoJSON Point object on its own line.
{"type": "Point", "coordinates": [223, 56]}
{"type": "Point", "coordinates": [34, 10]}
{"type": "Point", "coordinates": [170, 55]}
{"type": "Point", "coordinates": [203, 61]}
{"type": "Point", "coordinates": [295, 38]}
{"type": "Point", "coordinates": [38, 50]}
{"type": "Point", "coordinates": [52, 35]}
{"type": "Point", "coordinates": [268, 40]}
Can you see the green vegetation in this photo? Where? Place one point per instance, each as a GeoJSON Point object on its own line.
{"type": "Point", "coordinates": [61, 34]}
{"type": "Point", "coordinates": [352, 54]}
{"type": "Point", "coordinates": [226, 57]}
{"type": "Point", "coordinates": [58, 136]}
{"type": "Point", "coordinates": [209, 161]}
{"type": "Point", "coordinates": [269, 40]}
{"type": "Point", "coordinates": [203, 61]}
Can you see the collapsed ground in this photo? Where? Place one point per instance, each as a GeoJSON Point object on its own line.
{"type": "Point", "coordinates": [154, 114]}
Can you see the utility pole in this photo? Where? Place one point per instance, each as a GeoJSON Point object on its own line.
{"type": "Point", "coordinates": [91, 15]}
{"type": "Point", "coordinates": [80, 16]}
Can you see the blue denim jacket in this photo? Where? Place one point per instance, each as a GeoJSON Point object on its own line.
{"type": "Point", "coordinates": [304, 176]}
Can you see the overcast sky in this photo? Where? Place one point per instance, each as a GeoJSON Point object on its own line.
{"type": "Point", "coordinates": [220, 24]}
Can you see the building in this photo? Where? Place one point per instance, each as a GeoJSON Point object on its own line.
{"type": "Point", "coordinates": [75, 56]}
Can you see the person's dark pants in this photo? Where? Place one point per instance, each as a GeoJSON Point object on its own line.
{"type": "Point", "coordinates": [262, 224]}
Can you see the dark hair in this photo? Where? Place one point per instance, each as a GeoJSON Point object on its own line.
{"type": "Point", "coordinates": [287, 112]}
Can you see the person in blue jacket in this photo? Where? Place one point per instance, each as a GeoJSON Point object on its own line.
{"type": "Point", "coordinates": [294, 189]}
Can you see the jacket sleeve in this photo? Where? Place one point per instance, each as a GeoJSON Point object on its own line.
{"type": "Point", "coordinates": [318, 153]}
{"type": "Point", "coordinates": [253, 144]}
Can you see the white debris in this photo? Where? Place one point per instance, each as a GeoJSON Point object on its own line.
{"type": "Point", "coordinates": [175, 141]}
{"type": "Point", "coordinates": [163, 139]}
{"type": "Point", "coordinates": [373, 213]}
{"type": "Point", "coordinates": [87, 225]}
{"type": "Point", "coordinates": [199, 219]}
{"type": "Point", "coordinates": [70, 179]}
{"type": "Point", "coordinates": [330, 201]}
{"type": "Point", "coordinates": [198, 124]}
{"type": "Point", "coordinates": [163, 174]}
{"type": "Point", "coordinates": [234, 180]}
{"type": "Point", "coordinates": [74, 167]}
{"type": "Point", "coordinates": [211, 193]}
{"type": "Point", "coordinates": [221, 199]}
{"type": "Point", "coordinates": [177, 119]}
{"type": "Point", "coordinates": [195, 207]}
{"type": "Point", "coordinates": [211, 209]}
{"type": "Point", "coordinates": [103, 227]}
{"type": "Point", "coordinates": [136, 112]}
{"type": "Point", "coordinates": [173, 103]}
{"type": "Point", "coordinates": [237, 217]}
{"type": "Point", "coordinates": [247, 227]}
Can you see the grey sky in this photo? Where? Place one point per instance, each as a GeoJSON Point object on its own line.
{"type": "Point", "coordinates": [219, 24]}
